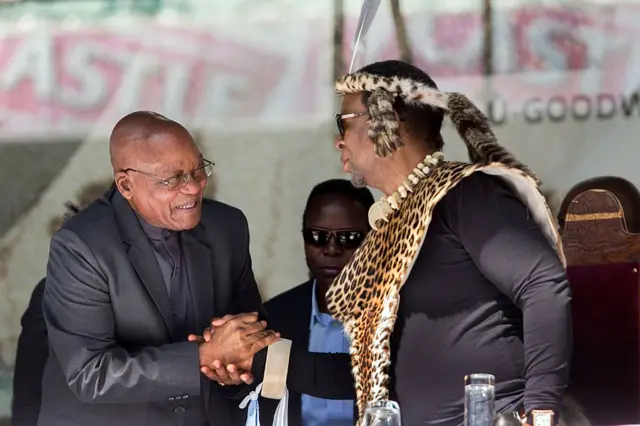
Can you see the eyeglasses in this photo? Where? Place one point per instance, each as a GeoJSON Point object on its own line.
{"type": "Point", "coordinates": [177, 182]}
{"type": "Point", "coordinates": [344, 239]}
{"type": "Point", "coordinates": [341, 117]}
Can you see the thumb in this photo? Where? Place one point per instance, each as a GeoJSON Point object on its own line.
{"type": "Point", "coordinates": [217, 322]}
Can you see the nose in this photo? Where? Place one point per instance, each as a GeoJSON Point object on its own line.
{"type": "Point", "coordinates": [339, 143]}
{"type": "Point", "coordinates": [192, 186]}
{"type": "Point", "coordinates": [332, 249]}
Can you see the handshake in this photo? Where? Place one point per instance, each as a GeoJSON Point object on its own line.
{"type": "Point", "coordinates": [227, 347]}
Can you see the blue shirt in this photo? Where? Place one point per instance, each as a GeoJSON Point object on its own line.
{"type": "Point", "coordinates": [326, 335]}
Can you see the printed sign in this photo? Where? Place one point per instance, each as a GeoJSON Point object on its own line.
{"type": "Point", "coordinates": [551, 64]}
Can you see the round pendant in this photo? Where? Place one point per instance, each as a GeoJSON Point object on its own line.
{"type": "Point", "coordinates": [379, 211]}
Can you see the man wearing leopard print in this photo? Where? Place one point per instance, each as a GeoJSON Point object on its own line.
{"type": "Point", "coordinates": [465, 271]}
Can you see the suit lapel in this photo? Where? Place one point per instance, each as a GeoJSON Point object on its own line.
{"type": "Point", "coordinates": [143, 260]}
{"type": "Point", "coordinates": [220, 264]}
{"type": "Point", "coordinates": [301, 328]}
{"type": "Point", "coordinates": [201, 277]}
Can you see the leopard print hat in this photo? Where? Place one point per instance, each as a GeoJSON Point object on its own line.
{"type": "Point", "coordinates": [472, 125]}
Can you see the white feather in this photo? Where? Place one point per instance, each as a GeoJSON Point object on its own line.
{"type": "Point", "coordinates": [367, 13]}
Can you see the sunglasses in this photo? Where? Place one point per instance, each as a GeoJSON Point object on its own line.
{"type": "Point", "coordinates": [344, 239]}
{"type": "Point", "coordinates": [341, 117]}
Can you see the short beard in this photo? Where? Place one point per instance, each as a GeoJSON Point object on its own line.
{"type": "Point", "coordinates": [357, 180]}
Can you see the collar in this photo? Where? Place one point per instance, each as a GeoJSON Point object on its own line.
{"type": "Point", "coordinates": [153, 232]}
{"type": "Point", "coordinates": [318, 317]}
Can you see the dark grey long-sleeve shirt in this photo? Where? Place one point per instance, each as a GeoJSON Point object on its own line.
{"type": "Point", "coordinates": [487, 294]}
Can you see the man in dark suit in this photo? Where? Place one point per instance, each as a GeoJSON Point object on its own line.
{"type": "Point", "coordinates": [132, 275]}
{"type": "Point", "coordinates": [334, 223]}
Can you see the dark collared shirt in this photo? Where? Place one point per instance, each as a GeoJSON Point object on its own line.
{"type": "Point", "coordinates": [167, 248]}
{"type": "Point", "coordinates": [161, 240]}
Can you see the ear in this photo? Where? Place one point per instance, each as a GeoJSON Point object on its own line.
{"type": "Point", "coordinates": [402, 126]}
{"type": "Point", "coordinates": [123, 183]}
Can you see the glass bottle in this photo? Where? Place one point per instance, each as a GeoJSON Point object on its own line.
{"type": "Point", "coordinates": [382, 413]}
{"type": "Point", "coordinates": [479, 400]}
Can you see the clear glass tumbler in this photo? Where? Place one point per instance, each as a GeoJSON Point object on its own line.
{"type": "Point", "coordinates": [479, 400]}
{"type": "Point", "coordinates": [382, 413]}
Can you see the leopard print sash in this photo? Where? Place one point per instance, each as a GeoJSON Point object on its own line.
{"type": "Point", "coordinates": [366, 294]}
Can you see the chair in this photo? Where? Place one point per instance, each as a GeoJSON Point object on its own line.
{"type": "Point", "coordinates": [604, 259]}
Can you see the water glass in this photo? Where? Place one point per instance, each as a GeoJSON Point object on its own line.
{"type": "Point", "coordinates": [382, 413]}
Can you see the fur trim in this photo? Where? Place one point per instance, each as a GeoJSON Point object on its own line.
{"type": "Point", "coordinates": [411, 91]}
{"type": "Point", "coordinates": [472, 125]}
{"type": "Point", "coordinates": [383, 126]}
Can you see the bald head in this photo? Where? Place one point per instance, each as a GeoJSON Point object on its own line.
{"type": "Point", "coordinates": [159, 169]}
{"type": "Point", "coordinates": [136, 131]}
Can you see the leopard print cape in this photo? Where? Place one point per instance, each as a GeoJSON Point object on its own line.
{"type": "Point", "coordinates": [365, 296]}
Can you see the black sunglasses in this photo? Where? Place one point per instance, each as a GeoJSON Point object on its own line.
{"type": "Point", "coordinates": [341, 117]}
{"type": "Point", "coordinates": [344, 239]}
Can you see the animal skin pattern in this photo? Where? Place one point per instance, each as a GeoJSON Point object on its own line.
{"type": "Point", "coordinates": [365, 296]}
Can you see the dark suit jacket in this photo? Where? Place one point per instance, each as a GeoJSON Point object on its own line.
{"type": "Point", "coordinates": [114, 360]}
{"type": "Point", "coordinates": [290, 313]}
{"type": "Point", "coordinates": [31, 355]}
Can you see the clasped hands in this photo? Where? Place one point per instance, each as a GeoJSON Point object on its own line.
{"type": "Point", "coordinates": [227, 347]}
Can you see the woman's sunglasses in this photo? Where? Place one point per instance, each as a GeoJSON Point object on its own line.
{"type": "Point", "coordinates": [344, 239]}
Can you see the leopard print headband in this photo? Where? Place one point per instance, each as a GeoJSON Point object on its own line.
{"type": "Point", "coordinates": [470, 122]}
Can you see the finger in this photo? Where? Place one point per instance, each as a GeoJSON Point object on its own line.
{"type": "Point", "coordinates": [247, 378]}
{"type": "Point", "coordinates": [245, 367]}
{"type": "Point", "coordinates": [217, 322]}
{"type": "Point", "coordinates": [212, 374]}
{"type": "Point", "coordinates": [246, 318]}
{"type": "Point", "coordinates": [263, 323]}
{"type": "Point", "coordinates": [195, 338]}
{"type": "Point", "coordinates": [234, 374]}
{"type": "Point", "coordinates": [208, 373]}
{"type": "Point", "coordinates": [251, 327]}
{"type": "Point", "coordinates": [265, 339]}
{"type": "Point", "coordinates": [222, 373]}
{"type": "Point", "coordinates": [207, 334]}
{"type": "Point", "coordinates": [262, 333]}
{"type": "Point", "coordinates": [240, 318]}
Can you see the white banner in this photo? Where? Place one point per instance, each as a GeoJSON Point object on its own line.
{"type": "Point", "coordinates": [551, 63]}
